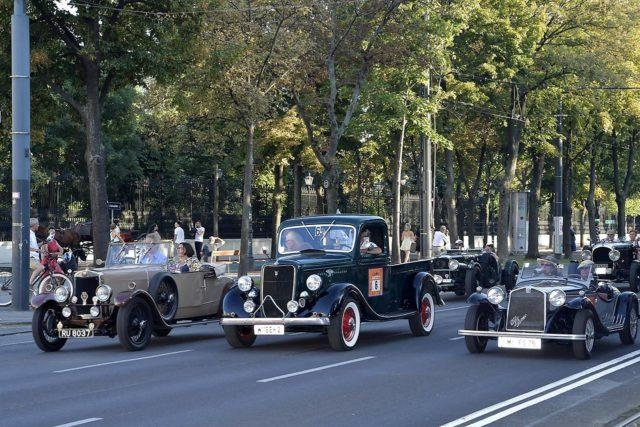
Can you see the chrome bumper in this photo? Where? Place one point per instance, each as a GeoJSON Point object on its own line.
{"type": "Point", "coordinates": [544, 336]}
{"type": "Point", "coordinates": [247, 321]}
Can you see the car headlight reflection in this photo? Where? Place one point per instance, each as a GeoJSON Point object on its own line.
{"type": "Point", "coordinates": [495, 295]}
{"type": "Point", "coordinates": [453, 264]}
{"type": "Point", "coordinates": [557, 297]}
{"type": "Point", "coordinates": [314, 282]}
{"type": "Point", "coordinates": [614, 255]}
{"type": "Point", "coordinates": [103, 292]}
{"type": "Point", "coordinates": [61, 294]}
{"type": "Point", "coordinates": [245, 283]}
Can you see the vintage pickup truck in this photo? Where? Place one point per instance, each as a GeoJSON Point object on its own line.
{"type": "Point", "coordinates": [331, 273]}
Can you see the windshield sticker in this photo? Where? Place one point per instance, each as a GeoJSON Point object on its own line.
{"type": "Point", "coordinates": [375, 282]}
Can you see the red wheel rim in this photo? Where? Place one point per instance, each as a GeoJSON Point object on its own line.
{"type": "Point", "coordinates": [348, 324]}
{"type": "Point", "coordinates": [425, 311]}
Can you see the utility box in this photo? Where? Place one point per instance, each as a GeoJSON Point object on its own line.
{"type": "Point", "coordinates": [519, 230]}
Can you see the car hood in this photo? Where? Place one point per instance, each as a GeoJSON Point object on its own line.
{"type": "Point", "coordinates": [313, 260]}
{"type": "Point", "coordinates": [547, 286]}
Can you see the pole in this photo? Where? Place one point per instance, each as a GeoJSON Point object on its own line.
{"type": "Point", "coordinates": [426, 206]}
{"type": "Point", "coordinates": [215, 200]}
{"type": "Point", "coordinates": [20, 154]}
{"type": "Point", "coordinates": [557, 212]}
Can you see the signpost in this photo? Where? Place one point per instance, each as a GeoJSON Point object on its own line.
{"type": "Point", "coordinates": [114, 206]}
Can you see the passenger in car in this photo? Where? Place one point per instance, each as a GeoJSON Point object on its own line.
{"type": "Point", "coordinates": [184, 260]}
{"type": "Point", "coordinates": [293, 242]}
{"type": "Point", "coordinates": [366, 245]}
{"type": "Point", "coordinates": [585, 269]}
{"type": "Point", "coordinates": [548, 266]}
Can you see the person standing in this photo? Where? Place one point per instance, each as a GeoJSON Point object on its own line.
{"type": "Point", "coordinates": [34, 250]}
{"type": "Point", "coordinates": [199, 238]}
{"type": "Point", "coordinates": [407, 239]}
{"type": "Point", "coordinates": [154, 233]}
{"type": "Point", "coordinates": [572, 239]}
{"type": "Point", "coordinates": [178, 234]}
{"type": "Point", "coordinates": [114, 234]}
{"type": "Point", "coordinates": [439, 240]}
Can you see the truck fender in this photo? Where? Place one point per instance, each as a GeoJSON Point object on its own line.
{"type": "Point", "coordinates": [478, 298]}
{"type": "Point", "coordinates": [328, 303]}
{"type": "Point", "coordinates": [424, 280]}
{"type": "Point", "coordinates": [624, 301]}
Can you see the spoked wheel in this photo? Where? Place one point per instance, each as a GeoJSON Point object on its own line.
{"type": "Point", "coordinates": [477, 319]}
{"type": "Point", "coordinates": [6, 288]}
{"type": "Point", "coordinates": [51, 281]}
{"type": "Point", "coordinates": [583, 325]}
{"type": "Point", "coordinates": [44, 329]}
{"type": "Point", "coordinates": [239, 336]}
{"type": "Point", "coordinates": [634, 276]}
{"type": "Point", "coordinates": [134, 325]}
{"type": "Point", "coordinates": [166, 297]}
{"type": "Point", "coordinates": [344, 328]}
{"type": "Point", "coordinates": [630, 328]}
{"type": "Point", "coordinates": [422, 323]}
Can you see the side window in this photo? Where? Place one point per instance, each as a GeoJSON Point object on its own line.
{"type": "Point", "coordinates": [377, 237]}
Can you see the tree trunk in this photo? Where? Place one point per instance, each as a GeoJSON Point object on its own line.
{"type": "Point", "coordinates": [297, 188]}
{"type": "Point", "coordinates": [395, 251]}
{"type": "Point", "coordinates": [246, 241]}
{"type": "Point", "coordinates": [538, 160]}
{"type": "Point", "coordinates": [278, 197]}
{"type": "Point", "coordinates": [591, 198]}
{"type": "Point", "coordinates": [449, 196]}
{"type": "Point", "coordinates": [622, 191]}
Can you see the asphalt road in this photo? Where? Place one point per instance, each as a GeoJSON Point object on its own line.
{"type": "Point", "coordinates": [193, 378]}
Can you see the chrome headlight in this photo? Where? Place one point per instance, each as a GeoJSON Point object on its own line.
{"type": "Point", "coordinates": [495, 295]}
{"type": "Point", "coordinates": [103, 292]}
{"type": "Point", "coordinates": [557, 297]}
{"type": "Point", "coordinates": [249, 306]}
{"type": "Point", "coordinates": [245, 283]}
{"type": "Point", "coordinates": [94, 311]}
{"type": "Point", "coordinates": [66, 312]}
{"type": "Point", "coordinates": [313, 282]}
{"type": "Point", "coordinates": [61, 294]}
{"type": "Point", "coordinates": [614, 255]}
{"type": "Point", "coordinates": [292, 306]}
{"type": "Point", "coordinates": [453, 264]}
{"type": "Point", "coordinates": [437, 278]}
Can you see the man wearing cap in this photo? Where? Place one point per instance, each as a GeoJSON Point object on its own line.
{"type": "Point", "coordinates": [611, 236]}
{"type": "Point", "coordinates": [459, 244]}
{"type": "Point", "coordinates": [549, 265]}
{"type": "Point", "coordinates": [585, 269]}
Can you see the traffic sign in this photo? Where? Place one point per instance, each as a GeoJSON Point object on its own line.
{"type": "Point", "coordinates": [114, 205]}
{"type": "Point", "coordinates": [609, 221]}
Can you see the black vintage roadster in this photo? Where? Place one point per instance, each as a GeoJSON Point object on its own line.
{"type": "Point", "coordinates": [564, 307]}
{"type": "Point", "coordinates": [617, 262]}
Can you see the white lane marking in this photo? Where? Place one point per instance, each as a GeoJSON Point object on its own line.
{"type": "Point", "coordinates": [320, 368]}
{"type": "Point", "coordinates": [451, 309]}
{"type": "Point", "coordinates": [542, 389]}
{"type": "Point", "coordinates": [120, 361]}
{"type": "Point", "coordinates": [554, 393]}
{"type": "Point", "coordinates": [455, 338]}
{"type": "Point", "coordinates": [77, 423]}
{"type": "Point", "coordinates": [16, 343]}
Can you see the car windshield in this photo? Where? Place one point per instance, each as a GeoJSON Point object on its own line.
{"type": "Point", "coordinates": [561, 272]}
{"type": "Point", "coordinates": [328, 237]}
{"type": "Point", "coordinates": [138, 253]}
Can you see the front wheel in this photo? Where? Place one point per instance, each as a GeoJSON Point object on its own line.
{"type": "Point", "coordinates": [630, 328]}
{"type": "Point", "coordinates": [422, 323]}
{"type": "Point", "coordinates": [583, 325]}
{"type": "Point", "coordinates": [634, 276]}
{"type": "Point", "coordinates": [477, 319]}
{"type": "Point", "coordinates": [344, 328]}
{"type": "Point", "coordinates": [134, 325]}
{"type": "Point", "coordinates": [239, 336]}
{"type": "Point", "coordinates": [44, 329]}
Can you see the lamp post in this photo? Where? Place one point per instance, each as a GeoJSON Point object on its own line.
{"type": "Point", "coordinates": [217, 174]}
{"type": "Point", "coordinates": [308, 182]}
{"type": "Point", "coordinates": [403, 199]}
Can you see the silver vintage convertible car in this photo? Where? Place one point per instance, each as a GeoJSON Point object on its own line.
{"type": "Point", "coordinates": [134, 296]}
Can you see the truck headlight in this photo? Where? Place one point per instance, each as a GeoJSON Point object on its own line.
{"type": "Point", "coordinates": [314, 282]}
{"type": "Point", "coordinates": [249, 306]}
{"type": "Point", "coordinates": [292, 306]}
{"type": "Point", "coordinates": [495, 295]}
{"type": "Point", "coordinates": [61, 294]}
{"type": "Point", "coordinates": [453, 264]}
{"type": "Point", "coordinates": [103, 292]}
{"type": "Point", "coordinates": [557, 297]}
{"type": "Point", "coordinates": [614, 255]}
{"type": "Point", "coordinates": [245, 283]}
{"type": "Point", "coordinates": [437, 278]}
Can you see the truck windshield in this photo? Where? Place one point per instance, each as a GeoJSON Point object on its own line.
{"type": "Point", "coordinates": [328, 237]}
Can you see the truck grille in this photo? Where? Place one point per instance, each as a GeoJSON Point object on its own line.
{"type": "Point", "coordinates": [527, 310]}
{"type": "Point", "coordinates": [88, 285]}
{"type": "Point", "coordinates": [601, 256]}
{"type": "Point", "coordinates": [278, 283]}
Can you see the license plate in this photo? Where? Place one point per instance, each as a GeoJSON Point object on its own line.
{"type": "Point", "coordinates": [603, 270]}
{"type": "Point", "coordinates": [446, 280]}
{"type": "Point", "coordinates": [268, 329]}
{"type": "Point", "coordinates": [519, 342]}
{"type": "Point", "coordinates": [75, 333]}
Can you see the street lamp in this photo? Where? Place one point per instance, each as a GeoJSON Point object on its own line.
{"type": "Point", "coordinates": [308, 181]}
{"type": "Point", "coordinates": [217, 174]}
{"type": "Point", "coordinates": [403, 198]}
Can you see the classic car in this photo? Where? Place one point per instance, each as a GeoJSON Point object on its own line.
{"type": "Point", "coordinates": [327, 279]}
{"type": "Point", "coordinates": [564, 307]}
{"type": "Point", "coordinates": [462, 271]}
{"type": "Point", "coordinates": [617, 262]}
{"type": "Point", "coordinates": [134, 296]}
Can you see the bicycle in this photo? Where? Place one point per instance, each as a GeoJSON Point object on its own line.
{"type": "Point", "coordinates": [46, 281]}
{"type": "Point", "coordinates": [6, 288]}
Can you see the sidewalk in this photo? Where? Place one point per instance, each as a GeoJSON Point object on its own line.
{"type": "Point", "coordinates": [14, 322]}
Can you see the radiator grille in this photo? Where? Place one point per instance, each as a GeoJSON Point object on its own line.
{"type": "Point", "coordinates": [88, 285]}
{"type": "Point", "coordinates": [527, 310]}
{"type": "Point", "coordinates": [441, 264]}
{"type": "Point", "coordinates": [601, 255]}
{"type": "Point", "coordinates": [278, 283]}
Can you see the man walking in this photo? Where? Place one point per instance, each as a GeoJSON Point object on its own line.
{"type": "Point", "coordinates": [199, 238]}
{"type": "Point", "coordinates": [178, 235]}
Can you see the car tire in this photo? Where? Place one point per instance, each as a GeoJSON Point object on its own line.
{"type": "Point", "coordinates": [630, 329]}
{"type": "Point", "coordinates": [477, 319]}
{"type": "Point", "coordinates": [134, 325]}
{"type": "Point", "coordinates": [422, 323]}
{"type": "Point", "coordinates": [43, 328]}
{"type": "Point", "coordinates": [161, 333]}
{"type": "Point", "coordinates": [583, 325]}
{"type": "Point", "coordinates": [165, 296]}
{"type": "Point", "coordinates": [344, 327]}
{"type": "Point", "coordinates": [471, 280]}
{"type": "Point", "coordinates": [510, 275]}
{"type": "Point", "coordinates": [239, 336]}
{"type": "Point", "coordinates": [634, 276]}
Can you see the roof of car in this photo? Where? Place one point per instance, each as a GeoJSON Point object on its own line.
{"type": "Point", "coordinates": [351, 219]}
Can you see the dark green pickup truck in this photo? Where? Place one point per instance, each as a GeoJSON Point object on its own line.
{"type": "Point", "coordinates": [331, 273]}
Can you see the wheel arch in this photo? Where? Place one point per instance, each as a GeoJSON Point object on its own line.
{"type": "Point", "coordinates": [125, 298]}
{"type": "Point", "coordinates": [424, 280]}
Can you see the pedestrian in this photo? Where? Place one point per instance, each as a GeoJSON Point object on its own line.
{"type": "Point", "coordinates": [439, 241]}
{"type": "Point", "coordinates": [199, 238]}
{"type": "Point", "coordinates": [407, 240]}
{"type": "Point", "coordinates": [153, 232]}
{"type": "Point", "coordinates": [447, 241]}
{"type": "Point", "coordinates": [572, 239]}
{"type": "Point", "coordinates": [215, 243]}
{"type": "Point", "coordinates": [34, 250]}
{"type": "Point", "coordinates": [50, 251]}
{"type": "Point", "coordinates": [178, 234]}
{"type": "Point", "coordinates": [114, 233]}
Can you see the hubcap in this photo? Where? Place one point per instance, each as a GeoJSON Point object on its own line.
{"type": "Point", "coordinates": [589, 332]}
{"type": "Point", "coordinates": [348, 324]}
{"type": "Point", "coordinates": [425, 311]}
{"type": "Point", "coordinates": [633, 323]}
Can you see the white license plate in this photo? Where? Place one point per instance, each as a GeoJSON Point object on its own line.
{"type": "Point", "coordinates": [519, 342]}
{"type": "Point", "coordinates": [603, 270]}
{"type": "Point", "coordinates": [446, 280]}
{"type": "Point", "coordinates": [75, 333]}
{"type": "Point", "coordinates": [268, 329]}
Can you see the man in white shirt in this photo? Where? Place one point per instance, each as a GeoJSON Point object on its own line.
{"type": "Point", "coordinates": [34, 251]}
{"type": "Point", "coordinates": [199, 238]}
{"type": "Point", "coordinates": [178, 234]}
{"type": "Point", "coordinates": [439, 240]}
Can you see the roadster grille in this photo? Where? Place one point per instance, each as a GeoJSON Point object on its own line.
{"type": "Point", "coordinates": [601, 255]}
{"type": "Point", "coordinates": [441, 264]}
{"type": "Point", "coordinates": [527, 310]}
{"type": "Point", "coordinates": [278, 283]}
{"type": "Point", "coordinates": [88, 285]}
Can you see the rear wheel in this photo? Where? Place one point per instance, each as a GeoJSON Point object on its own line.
{"type": "Point", "coordinates": [166, 298]}
{"type": "Point", "coordinates": [583, 325]}
{"type": "Point", "coordinates": [471, 280]}
{"type": "Point", "coordinates": [6, 288]}
{"type": "Point", "coordinates": [134, 325]}
{"type": "Point", "coordinates": [634, 276]}
{"type": "Point", "coordinates": [477, 319]}
{"type": "Point", "coordinates": [344, 328]}
{"type": "Point", "coordinates": [44, 329]}
{"type": "Point", "coordinates": [422, 323]}
{"type": "Point", "coordinates": [630, 328]}
{"type": "Point", "coordinates": [239, 336]}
